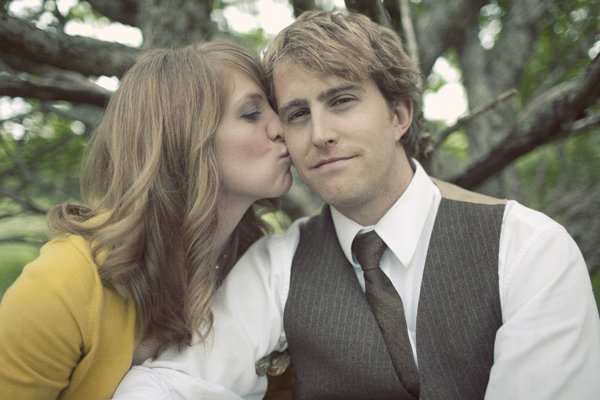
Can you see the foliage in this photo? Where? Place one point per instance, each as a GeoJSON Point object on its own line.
{"type": "Point", "coordinates": [563, 46]}
{"type": "Point", "coordinates": [551, 170]}
{"type": "Point", "coordinates": [42, 165]}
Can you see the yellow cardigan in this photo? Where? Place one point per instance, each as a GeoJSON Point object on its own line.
{"type": "Point", "coordinates": [62, 333]}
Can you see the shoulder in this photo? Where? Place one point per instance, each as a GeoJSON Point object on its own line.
{"type": "Point", "coordinates": [538, 250]}
{"type": "Point", "coordinates": [45, 316]}
{"type": "Point", "coordinates": [64, 263]}
{"type": "Point", "coordinates": [526, 218]}
{"type": "Point", "coordinates": [277, 247]}
{"type": "Point", "coordinates": [526, 231]}
{"type": "Point", "coordinates": [515, 214]}
{"type": "Point", "coordinates": [271, 256]}
{"type": "Point", "coordinates": [63, 278]}
{"type": "Point", "coordinates": [266, 265]}
{"type": "Point", "coordinates": [454, 192]}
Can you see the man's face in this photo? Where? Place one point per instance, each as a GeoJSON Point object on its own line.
{"type": "Point", "coordinates": [343, 139]}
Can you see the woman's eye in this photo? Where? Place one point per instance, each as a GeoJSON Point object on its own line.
{"type": "Point", "coordinates": [252, 116]}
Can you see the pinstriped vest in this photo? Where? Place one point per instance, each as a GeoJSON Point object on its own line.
{"type": "Point", "coordinates": [335, 343]}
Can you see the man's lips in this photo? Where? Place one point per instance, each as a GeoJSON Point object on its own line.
{"type": "Point", "coordinates": [329, 161]}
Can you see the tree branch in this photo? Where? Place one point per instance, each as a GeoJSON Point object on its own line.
{"type": "Point", "coordinates": [521, 27]}
{"type": "Point", "coordinates": [409, 32]}
{"type": "Point", "coordinates": [52, 90]}
{"type": "Point", "coordinates": [89, 115]}
{"type": "Point", "coordinates": [438, 27]}
{"type": "Point", "coordinates": [87, 56]}
{"type": "Point", "coordinates": [473, 114]}
{"type": "Point", "coordinates": [300, 6]}
{"type": "Point", "coordinates": [25, 204]}
{"type": "Point", "coordinates": [165, 23]}
{"type": "Point", "coordinates": [371, 8]}
{"type": "Point", "coordinates": [505, 62]}
{"type": "Point", "coordinates": [585, 124]}
{"type": "Point", "coordinates": [123, 11]}
{"type": "Point", "coordinates": [548, 118]}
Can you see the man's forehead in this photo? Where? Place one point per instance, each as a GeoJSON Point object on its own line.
{"type": "Point", "coordinates": [297, 82]}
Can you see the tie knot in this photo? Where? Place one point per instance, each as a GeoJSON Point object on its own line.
{"type": "Point", "coordinates": [368, 248]}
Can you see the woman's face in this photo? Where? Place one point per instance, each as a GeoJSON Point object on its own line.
{"type": "Point", "coordinates": [252, 156]}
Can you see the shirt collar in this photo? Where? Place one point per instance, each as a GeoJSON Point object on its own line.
{"type": "Point", "coordinates": [401, 227]}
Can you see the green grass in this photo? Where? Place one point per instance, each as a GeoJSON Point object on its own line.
{"type": "Point", "coordinates": [15, 255]}
{"type": "Point", "coordinates": [596, 286]}
{"type": "Point", "coordinates": [14, 258]}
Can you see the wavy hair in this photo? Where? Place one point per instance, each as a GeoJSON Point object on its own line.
{"type": "Point", "coordinates": [354, 48]}
{"type": "Point", "coordinates": [150, 186]}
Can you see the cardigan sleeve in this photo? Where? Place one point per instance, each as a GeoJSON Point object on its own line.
{"type": "Point", "coordinates": [44, 320]}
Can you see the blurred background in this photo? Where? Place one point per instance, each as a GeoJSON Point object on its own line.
{"type": "Point", "coordinates": [511, 103]}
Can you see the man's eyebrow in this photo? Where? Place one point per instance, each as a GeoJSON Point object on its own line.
{"type": "Point", "coordinates": [289, 105]}
{"type": "Point", "coordinates": [321, 97]}
{"type": "Point", "coordinates": [336, 90]}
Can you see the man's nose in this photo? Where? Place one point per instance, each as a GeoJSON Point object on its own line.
{"type": "Point", "coordinates": [275, 129]}
{"type": "Point", "coordinates": [323, 132]}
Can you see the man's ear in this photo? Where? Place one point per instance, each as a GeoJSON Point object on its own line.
{"type": "Point", "coordinates": [402, 117]}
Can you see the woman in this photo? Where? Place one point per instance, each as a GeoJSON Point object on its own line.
{"type": "Point", "coordinates": [188, 145]}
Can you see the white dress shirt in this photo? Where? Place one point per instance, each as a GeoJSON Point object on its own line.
{"type": "Point", "coordinates": [548, 346]}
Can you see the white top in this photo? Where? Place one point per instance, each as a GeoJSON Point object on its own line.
{"type": "Point", "coordinates": [548, 346]}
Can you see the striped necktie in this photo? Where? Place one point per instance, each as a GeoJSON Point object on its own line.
{"type": "Point", "coordinates": [387, 308]}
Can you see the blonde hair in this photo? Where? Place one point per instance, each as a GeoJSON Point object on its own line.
{"type": "Point", "coordinates": [151, 179]}
{"type": "Point", "coordinates": [354, 48]}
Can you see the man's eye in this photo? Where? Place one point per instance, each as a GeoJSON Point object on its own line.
{"type": "Point", "coordinates": [252, 116]}
{"type": "Point", "coordinates": [342, 100]}
{"type": "Point", "coordinates": [296, 114]}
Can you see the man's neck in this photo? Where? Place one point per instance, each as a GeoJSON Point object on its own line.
{"type": "Point", "coordinates": [370, 214]}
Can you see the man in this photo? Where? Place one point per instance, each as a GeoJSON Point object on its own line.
{"type": "Point", "coordinates": [468, 297]}
{"type": "Point", "coordinates": [488, 290]}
